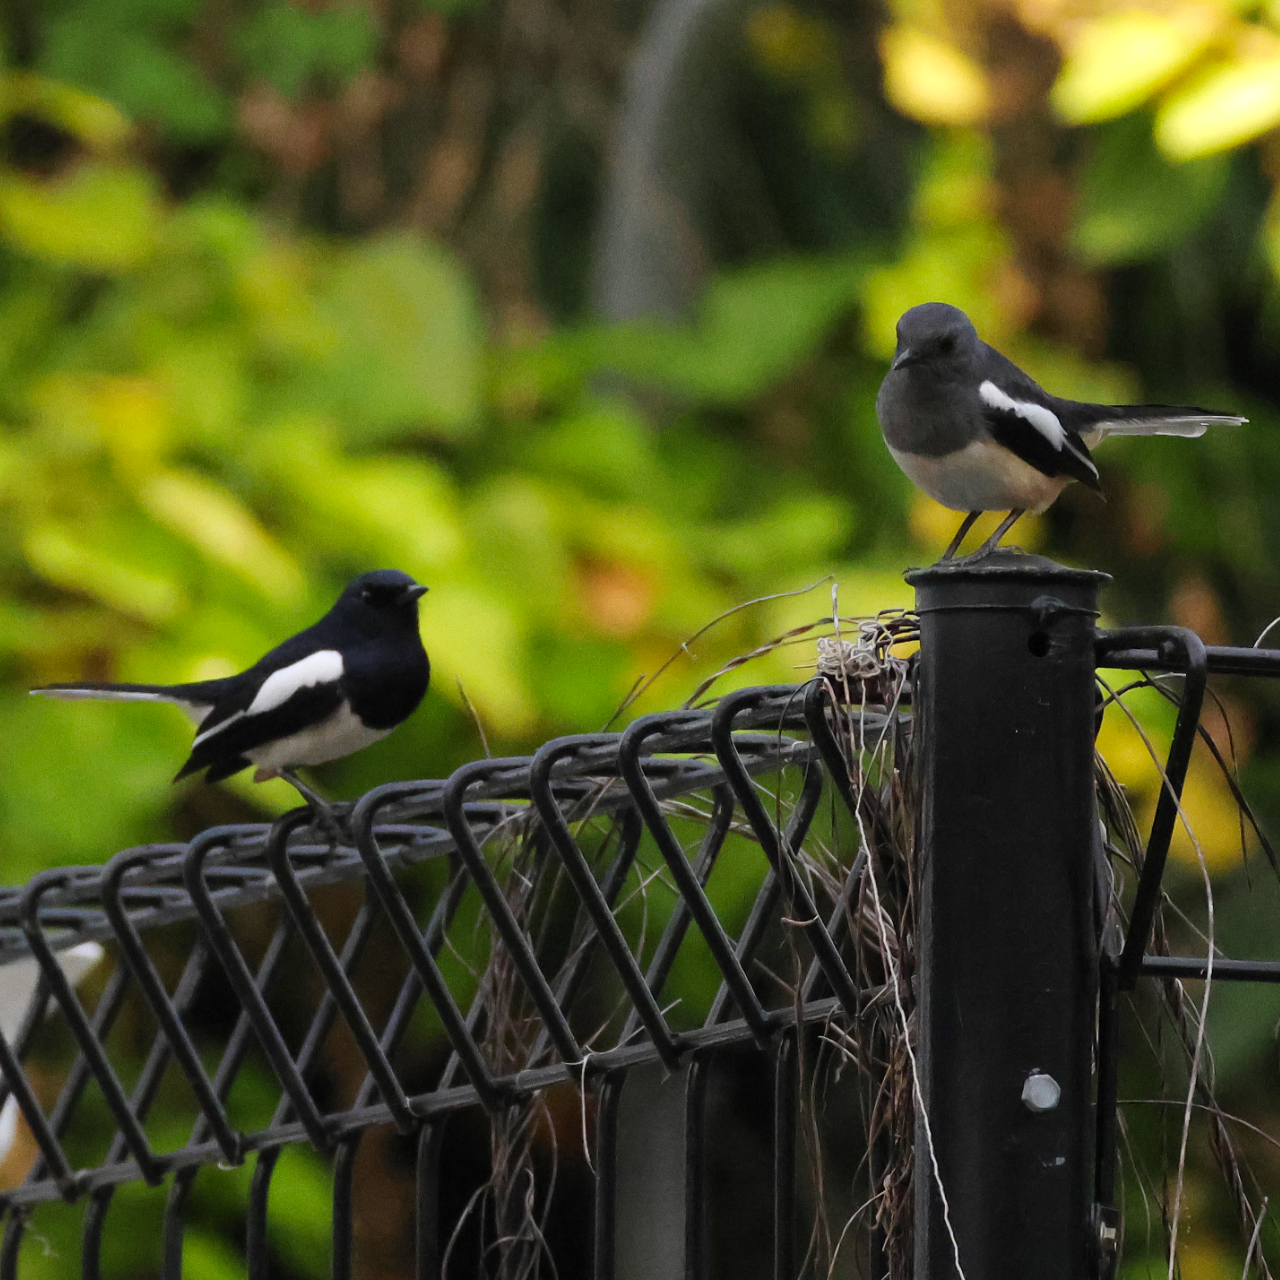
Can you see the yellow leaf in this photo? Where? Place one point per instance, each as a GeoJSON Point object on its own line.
{"type": "Point", "coordinates": [128, 417]}
{"type": "Point", "coordinates": [1231, 103]}
{"type": "Point", "coordinates": [1214, 820]}
{"type": "Point", "coordinates": [1123, 58]}
{"type": "Point", "coordinates": [227, 532]}
{"type": "Point", "coordinates": [91, 119]}
{"type": "Point", "coordinates": [77, 564]}
{"type": "Point", "coordinates": [1127, 756]}
{"type": "Point", "coordinates": [932, 81]}
{"type": "Point", "coordinates": [134, 418]}
{"type": "Point", "coordinates": [101, 217]}
{"type": "Point", "coordinates": [1206, 1260]}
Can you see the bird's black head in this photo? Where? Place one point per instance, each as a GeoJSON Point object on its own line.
{"type": "Point", "coordinates": [934, 333]}
{"type": "Point", "coordinates": [381, 599]}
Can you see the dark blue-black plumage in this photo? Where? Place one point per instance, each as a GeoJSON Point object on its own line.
{"type": "Point", "coordinates": [341, 684]}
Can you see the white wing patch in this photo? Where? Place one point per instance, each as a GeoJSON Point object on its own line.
{"type": "Point", "coordinates": [1044, 420]}
{"type": "Point", "coordinates": [322, 667]}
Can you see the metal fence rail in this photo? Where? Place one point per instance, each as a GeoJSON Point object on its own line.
{"type": "Point", "coordinates": [626, 779]}
{"type": "Point", "coordinates": [764, 768]}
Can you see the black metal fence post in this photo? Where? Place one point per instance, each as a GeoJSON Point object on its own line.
{"type": "Point", "coordinates": [1007, 953]}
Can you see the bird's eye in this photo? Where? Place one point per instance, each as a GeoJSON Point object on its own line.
{"type": "Point", "coordinates": [946, 345]}
{"type": "Point", "coordinates": [367, 595]}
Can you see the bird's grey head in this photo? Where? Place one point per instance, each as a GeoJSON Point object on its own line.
{"type": "Point", "coordinates": [934, 333]}
{"type": "Point", "coordinates": [385, 597]}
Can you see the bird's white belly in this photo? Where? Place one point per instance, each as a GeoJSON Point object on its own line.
{"type": "Point", "coordinates": [983, 476]}
{"type": "Point", "coordinates": [339, 735]}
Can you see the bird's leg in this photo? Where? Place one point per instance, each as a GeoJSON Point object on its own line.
{"type": "Point", "coordinates": [994, 541]}
{"type": "Point", "coordinates": [965, 525]}
{"type": "Point", "coordinates": [326, 816]}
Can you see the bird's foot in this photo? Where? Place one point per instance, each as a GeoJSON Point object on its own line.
{"type": "Point", "coordinates": [328, 816]}
{"type": "Point", "coordinates": [974, 557]}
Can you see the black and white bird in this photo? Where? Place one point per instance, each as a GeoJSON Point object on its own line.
{"type": "Point", "coordinates": [977, 434]}
{"type": "Point", "coordinates": [330, 690]}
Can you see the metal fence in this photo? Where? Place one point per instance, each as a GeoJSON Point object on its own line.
{"type": "Point", "coordinates": [542, 851]}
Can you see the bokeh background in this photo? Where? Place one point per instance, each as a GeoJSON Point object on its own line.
{"type": "Point", "coordinates": [576, 310]}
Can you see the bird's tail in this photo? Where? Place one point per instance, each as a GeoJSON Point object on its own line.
{"type": "Point", "coordinates": [1162, 420]}
{"type": "Point", "coordinates": [195, 699]}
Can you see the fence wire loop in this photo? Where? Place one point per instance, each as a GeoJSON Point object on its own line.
{"type": "Point", "coordinates": [534, 910]}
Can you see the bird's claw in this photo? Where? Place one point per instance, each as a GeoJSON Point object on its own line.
{"type": "Point", "coordinates": [327, 816]}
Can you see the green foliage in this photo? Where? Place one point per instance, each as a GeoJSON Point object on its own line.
{"type": "Point", "coordinates": [213, 414]}
{"type": "Point", "coordinates": [125, 52]}
{"type": "Point", "coordinates": [1134, 203]}
{"type": "Point", "coordinates": [203, 441]}
{"type": "Point", "coordinates": [291, 46]}
{"type": "Point", "coordinates": [414, 338]}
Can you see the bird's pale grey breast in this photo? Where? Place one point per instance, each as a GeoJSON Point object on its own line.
{"type": "Point", "coordinates": [924, 411]}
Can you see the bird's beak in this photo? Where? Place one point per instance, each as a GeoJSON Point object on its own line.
{"type": "Point", "coordinates": [905, 356]}
{"type": "Point", "coordinates": [415, 592]}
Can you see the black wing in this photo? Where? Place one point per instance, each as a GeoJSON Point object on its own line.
{"type": "Point", "coordinates": [225, 746]}
{"type": "Point", "coordinates": [1017, 433]}
{"type": "Point", "coordinates": [1029, 443]}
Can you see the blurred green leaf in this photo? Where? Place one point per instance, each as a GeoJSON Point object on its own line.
{"type": "Point", "coordinates": [119, 53]}
{"type": "Point", "coordinates": [411, 340]}
{"type": "Point", "coordinates": [386, 510]}
{"type": "Point", "coordinates": [206, 1256]}
{"type": "Point", "coordinates": [302, 1197]}
{"type": "Point", "coordinates": [515, 530]}
{"type": "Point", "coordinates": [1133, 203]}
{"type": "Point", "coordinates": [475, 639]}
{"type": "Point", "coordinates": [802, 530]}
{"type": "Point", "coordinates": [289, 45]}
{"type": "Point", "coordinates": [222, 528]}
{"type": "Point", "coordinates": [103, 217]}
{"type": "Point", "coordinates": [753, 326]}
{"type": "Point", "coordinates": [121, 756]}
{"type": "Point", "coordinates": [579, 681]}
{"type": "Point", "coordinates": [607, 447]}
{"type": "Point", "coordinates": [113, 563]}
{"type": "Point", "coordinates": [952, 265]}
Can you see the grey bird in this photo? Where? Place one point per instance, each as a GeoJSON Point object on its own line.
{"type": "Point", "coordinates": [977, 434]}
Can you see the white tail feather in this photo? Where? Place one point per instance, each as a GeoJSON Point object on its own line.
{"type": "Point", "coordinates": [104, 695]}
{"type": "Point", "coordinates": [1190, 427]}
{"type": "Point", "coordinates": [195, 710]}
